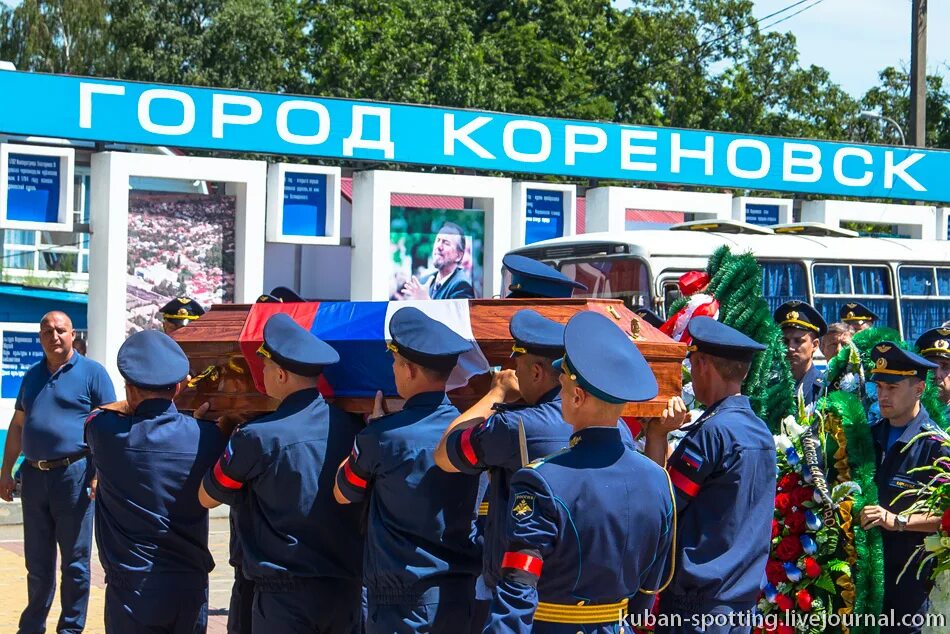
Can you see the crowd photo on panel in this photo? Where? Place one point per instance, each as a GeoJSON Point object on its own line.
{"type": "Point", "coordinates": [471, 317]}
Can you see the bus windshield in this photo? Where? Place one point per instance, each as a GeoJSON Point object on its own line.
{"type": "Point", "coordinates": [622, 277]}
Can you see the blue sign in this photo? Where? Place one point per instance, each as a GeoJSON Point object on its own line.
{"type": "Point", "coordinates": [305, 204]}
{"type": "Point", "coordinates": [761, 214]}
{"type": "Point", "coordinates": [21, 350]}
{"type": "Point", "coordinates": [544, 215]}
{"type": "Point", "coordinates": [33, 183]}
{"type": "Point", "coordinates": [227, 120]}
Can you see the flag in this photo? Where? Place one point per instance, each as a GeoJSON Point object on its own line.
{"type": "Point", "coordinates": [358, 331]}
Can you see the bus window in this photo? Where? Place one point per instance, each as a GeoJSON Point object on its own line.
{"type": "Point", "coordinates": [623, 278]}
{"type": "Point", "coordinates": [925, 298]}
{"type": "Point", "coordinates": [783, 282]}
{"type": "Point", "coordinates": [838, 284]}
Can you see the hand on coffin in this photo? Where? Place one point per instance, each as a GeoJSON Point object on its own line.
{"type": "Point", "coordinates": [414, 290]}
{"type": "Point", "coordinates": [227, 423]}
{"type": "Point", "coordinates": [674, 416]}
{"type": "Point", "coordinates": [379, 406]}
{"type": "Point", "coordinates": [505, 384]}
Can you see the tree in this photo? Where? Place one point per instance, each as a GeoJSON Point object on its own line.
{"type": "Point", "coordinates": [55, 36]}
{"type": "Point", "coordinates": [892, 99]}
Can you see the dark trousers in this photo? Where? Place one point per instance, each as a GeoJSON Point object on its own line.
{"type": "Point", "coordinates": [314, 606]}
{"type": "Point", "coordinates": [57, 512]}
{"type": "Point", "coordinates": [242, 603]}
{"type": "Point", "coordinates": [446, 610]}
{"type": "Point", "coordinates": [156, 611]}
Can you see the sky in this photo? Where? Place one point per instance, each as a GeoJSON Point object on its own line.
{"type": "Point", "coordinates": [853, 39]}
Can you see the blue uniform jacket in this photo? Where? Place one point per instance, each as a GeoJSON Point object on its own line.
{"type": "Point", "coordinates": [810, 385]}
{"type": "Point", "coordinates": [279, 470]}
{"type": "Point", "coordinates": [723, 472]}
{"type": "Point", "coordinates": [420, 530]}
{"type": "Point", "coordinates": [150, 528]}
{"type": "Point", "coordinates": [893, 477]}
{"type": "Point", "coordinates": [590, 525]}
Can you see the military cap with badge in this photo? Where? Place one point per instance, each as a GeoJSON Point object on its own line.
{"type": "Point", "coordinates": [530, 278]}
{"type": "Point", "coordinates": [934, 343]}
{"type": "Point", "coordinates": [294, 348]}
{"type": "Point", "coordinates": [856, 312]}
{"type": "Point", "coordinates": [893, 364]}
{"type": "Point", "coordinates": [425, 341]}
{"type": "Point", "coordinates": [180, 312]}
{"type": "Point", "coordinates": [534, 334]}
{"type": "Point", "coordinates": [800, 315]}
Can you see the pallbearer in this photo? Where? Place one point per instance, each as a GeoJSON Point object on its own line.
{"type": "Point", "coordinates": [421, 556]}
{"type": "Point", "coordinates": [589, 529]}
{"type": "Point", "coordinates": [301, 549]}
{"type": "Point", "coordinates": [179, 312]}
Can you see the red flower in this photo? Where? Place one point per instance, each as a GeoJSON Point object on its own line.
{"type": "Point", "coordinates": [783, 502]}
{"type": "Point", "coordinates": [945, 521]}
{"type": "Point", "coordinates": [802, 494]}
{"type": "Point", "coordinates": [804, 600]}
{"type": "Point", "coordinates": [784, 629]}
{"type": "Point", "coordinates": [789, 482]}
{"type": "Point", "coordinates": [775, 529]}
{"type": "Point", "coordinates": [784, 603]}
{"type": "Point", "coordinates": [795, 521]}
{"type": "Point", "coordinates": [789, 549]}
{"type": "Point", "coordinates": [812, 569]}
{"type": "Point", "coordinates": [775, 572]}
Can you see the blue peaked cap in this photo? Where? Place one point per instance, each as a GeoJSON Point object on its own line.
{"type": "Point", "coordinates": [425, 341]}
{"type": "Point", "coordinates": [152, 360]}
{"type": "Point", "coordinates": [530, 278]}
{"type": "Point", "coordinates": [720, 340]}
{"type": "Point", "coordinates": [294, 348]}
{"type": "Point", "coordinates": [604, 361]}
{"type": "Point", "coordinates": [534, 334]}
{"type": "Point", "coordinates": [893, 364]}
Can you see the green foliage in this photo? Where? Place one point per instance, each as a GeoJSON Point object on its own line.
{"type": "Point", "coordinates": [736, 282]}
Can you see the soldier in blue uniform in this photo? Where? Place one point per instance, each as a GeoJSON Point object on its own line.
{"type": "Point", "coordinates": [802, 330]}
{"type": "Point", "coordinates": [934, 345]}
{"type": "Point", "coordinates": [56, 396]}
{"type": "Point", "coordinates": [723, 471]}
{"type": "Point", "coordinates": [900, 377]}
{"type": "Point", "coordinates": [178, 313]}
{"type": "Point", "coordinates": [486, 437]}
{"type": "Point", "coordinates": [530, 278]}
{"type": "Point", "coordinates": [301, 549]}
{"type": "Point", "coordinates": [151, 531]}
{"type": "Point", "coordinates": [589, 528]}
{"type": "Point", "coordinates": [858, 316]}
{"type": "Point", "coordinates": [421, 556]}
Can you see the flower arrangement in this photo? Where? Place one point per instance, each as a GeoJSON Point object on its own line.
{"type": "Point", "coordinates": [809, 570]}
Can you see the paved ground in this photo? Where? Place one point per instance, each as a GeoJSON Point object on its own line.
{"type": "Point", "coordinates": [13, 583]}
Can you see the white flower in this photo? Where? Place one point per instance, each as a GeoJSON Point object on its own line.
{"type": "Point", "coordinates": [791, 428]}
{"type": "Point", "coordinates": [782, 443]}
{"type": "Point", "coordinates": [849, 382]}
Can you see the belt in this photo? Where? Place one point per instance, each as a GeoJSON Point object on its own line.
{"type": "Point", "coordinates": [581, 614]}
{"type": "Point", "coordinates": [46, 465]}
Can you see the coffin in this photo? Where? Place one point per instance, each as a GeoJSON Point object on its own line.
{"type": "Point", "coordinates": [220, 343]}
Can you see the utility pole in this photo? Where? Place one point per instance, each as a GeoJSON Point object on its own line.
{"type": "Point", "coordinates": [918, 74]}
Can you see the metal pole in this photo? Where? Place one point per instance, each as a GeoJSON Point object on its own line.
{"type": "Point", "coordinates": [918, 74]}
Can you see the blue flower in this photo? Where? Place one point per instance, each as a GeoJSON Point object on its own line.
{"type": "Point", "coordinates": [808, 544]}
{"type": "Point", "coordinates": [792, 572]}
{"type": "Point", "coordinates": [812, 521]}
{"type": "Point", "coordinates": [792, 456]}
{"type": "Point", "coordinates": [770, 593]}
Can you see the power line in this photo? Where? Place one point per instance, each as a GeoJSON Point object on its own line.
{"type": "Point", "coordinates": [789, 17]}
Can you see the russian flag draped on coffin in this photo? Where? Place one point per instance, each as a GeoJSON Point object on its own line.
{"type": "Point", "coordinates": [359, 332]}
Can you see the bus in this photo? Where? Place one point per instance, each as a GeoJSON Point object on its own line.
{"type": "Point", "coordinates": [906, 282]}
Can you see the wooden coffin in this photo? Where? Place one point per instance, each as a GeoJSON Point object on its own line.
{"type": "Point", "coordinates": [212, 344]}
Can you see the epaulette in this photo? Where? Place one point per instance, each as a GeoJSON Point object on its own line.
{"type": "Point", "coordinates": [92, 415]}
{"type": "Point", "coordinates": [534, 464]}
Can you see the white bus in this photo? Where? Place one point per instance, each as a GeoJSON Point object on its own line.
{"type": "Point", "coordinates": [906, 282]}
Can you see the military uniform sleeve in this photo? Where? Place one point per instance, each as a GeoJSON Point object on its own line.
{"type": "Point", "coordinates": [493, 443]}
{"type": "Point", "coordinates": [240, 463]}
{"type": "Point", "coordinates": [89, 431]}
{"type": "Point", "coordinates": [532, 532]}
{"type": "Point", "coordinates": [355, 476]}
{"type": "Point", "coordinates": [653, 578]}
{"type": "Point", "coordinates": [694, 460]}
{"type": "Point", "coordinates": [101, 390]}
